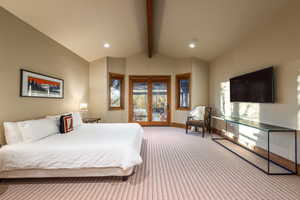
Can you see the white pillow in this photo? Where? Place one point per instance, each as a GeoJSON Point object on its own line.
{"type": "Point", "coordinates": [33, 130]}
{"type": "Point", "coordinates": [57, 118]}
{"type": "Point", "coordinates": [12, 133]}
{"type": "Point", "coordinates": [77, 121]}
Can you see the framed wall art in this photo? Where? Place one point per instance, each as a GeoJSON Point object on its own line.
{"type": "Point", "coordinates": [40, 86]}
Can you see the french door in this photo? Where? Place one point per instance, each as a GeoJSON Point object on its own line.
{"type": "Point", "coordinates": [149, 100]}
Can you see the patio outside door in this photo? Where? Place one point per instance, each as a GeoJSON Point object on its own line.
{"type": "Point", "coordinates": [149, 100]}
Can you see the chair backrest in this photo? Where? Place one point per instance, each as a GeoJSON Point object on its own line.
{"type": "Point", "coordinates": [198, 113]}
{"type": "Point", "coordinates": [201, 113]}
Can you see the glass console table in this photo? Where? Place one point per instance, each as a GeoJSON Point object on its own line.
{"type": "Point", "coordinates": [265, 128]}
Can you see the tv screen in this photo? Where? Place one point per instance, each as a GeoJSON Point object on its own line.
{"type": "Point", "coordinates": [256, 87]}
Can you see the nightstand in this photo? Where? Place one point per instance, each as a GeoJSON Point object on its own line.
{"type": "Point", "coordinates": [91, 120]}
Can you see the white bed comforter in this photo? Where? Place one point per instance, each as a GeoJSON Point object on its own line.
{"type": "Point", "coordinates": [89, 146]}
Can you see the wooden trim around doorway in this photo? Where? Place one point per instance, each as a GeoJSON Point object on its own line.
{"type": "Point", "coordinates": [149, 80]}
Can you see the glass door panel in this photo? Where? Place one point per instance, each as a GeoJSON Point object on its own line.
{"type": "Point", "coordinates": [149, 100]}
{"type": "Point", "coordinates": [159, 102]}
{"type": "Point", "coordinates": [140, 101]}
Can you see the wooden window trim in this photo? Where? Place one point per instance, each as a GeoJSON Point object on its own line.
{"type": "Point", "coordinates": [178, 78]}
{"type": "Point", "coordinates": [121, 78]}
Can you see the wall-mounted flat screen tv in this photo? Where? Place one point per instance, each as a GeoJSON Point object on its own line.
{"type": "Point", "coordinates": [256, 87]}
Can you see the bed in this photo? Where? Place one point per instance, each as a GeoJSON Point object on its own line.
{"type": "Point", "coordinates": [90, 150]}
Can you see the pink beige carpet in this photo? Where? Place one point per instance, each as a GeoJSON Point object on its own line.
{"type": "Point", "coordinates": [176, 167]}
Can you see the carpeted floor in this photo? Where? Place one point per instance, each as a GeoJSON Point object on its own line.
{"type": "Point", "coordinates": [176, 167]}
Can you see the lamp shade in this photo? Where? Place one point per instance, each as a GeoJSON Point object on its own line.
{"type": "Point", "coordinates": [83, 107]}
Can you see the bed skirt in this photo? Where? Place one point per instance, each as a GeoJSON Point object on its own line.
{"type": "Point", "coordinates": [56, 173]}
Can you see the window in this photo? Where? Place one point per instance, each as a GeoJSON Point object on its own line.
{"type": "Point", "coordinates": [116, 91]}
{"type": "Point", "coordinates": [183, 91]}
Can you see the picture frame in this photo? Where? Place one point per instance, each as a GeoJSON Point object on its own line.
{"type": "Point", "coordinates": [36, 85]}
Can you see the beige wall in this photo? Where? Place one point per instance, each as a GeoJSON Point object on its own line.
{"type": "Point", "coordinates": [140, 64]}
{"type": "Point", "coordinates": [199, 82]}
{"type": "Point", "coordinates": [181, 66]}
{"type": "Point", "coordinates": [200, 76]}
{"type": "Point", "coordinates": [24, 47]}
{"type": "Point", "coordinates": [278, 44]}
{"type": "Point", "coordinates": [98, 88]}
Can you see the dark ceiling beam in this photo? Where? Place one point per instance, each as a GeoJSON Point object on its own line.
{"type": "Point", "coordinates": [150, 27]}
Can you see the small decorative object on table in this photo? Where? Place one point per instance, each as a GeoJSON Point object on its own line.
{"type": "Point", "coordinates": [91, 120]}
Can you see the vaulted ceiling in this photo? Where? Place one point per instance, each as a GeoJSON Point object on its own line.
{"type": "Point", "coordinates": [83, 26]}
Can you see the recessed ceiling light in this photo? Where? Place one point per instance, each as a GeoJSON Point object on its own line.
{"type": "Point", "coordinates": [192, 45]}
{"type": "Point", "coordinates": [106, 45]}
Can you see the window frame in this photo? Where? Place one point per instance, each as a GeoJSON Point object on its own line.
{"type": "Point", "coordinates": [179, 77]}
{"type": "Point", "coordinates": [120, 77]}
